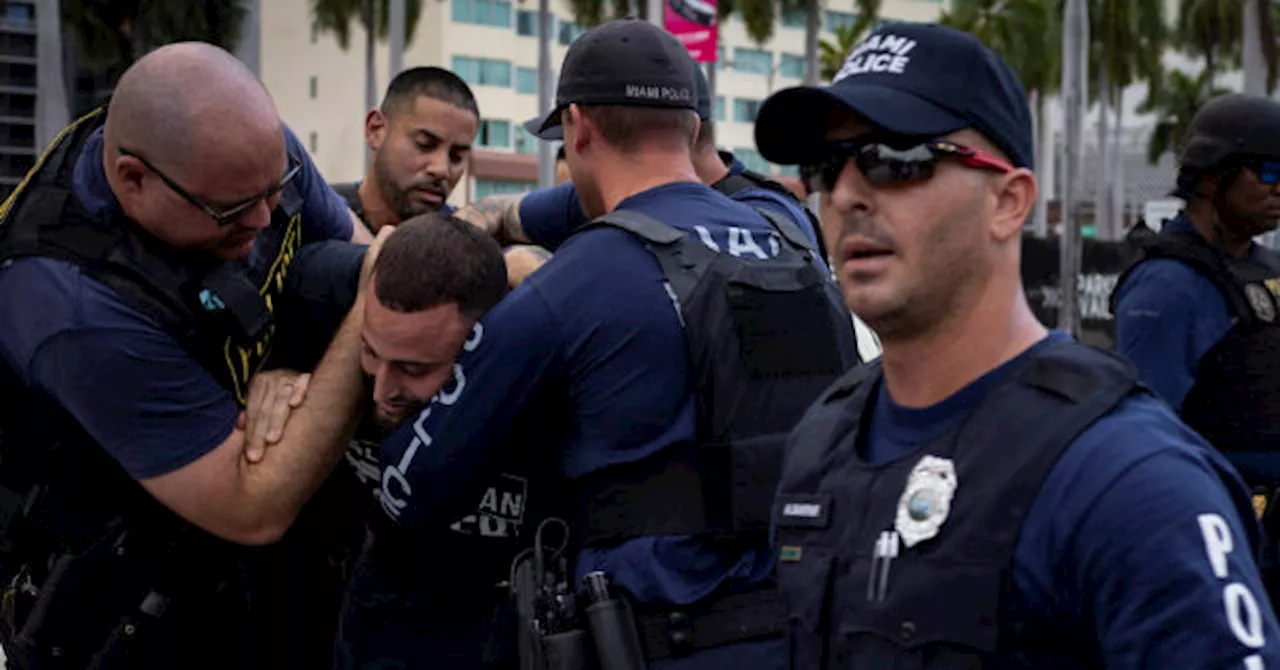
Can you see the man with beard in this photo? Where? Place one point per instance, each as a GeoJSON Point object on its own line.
{"type": "Point", "coordinates": [427, 603]}
{"type": "Point", "coordinates": [421, 141]}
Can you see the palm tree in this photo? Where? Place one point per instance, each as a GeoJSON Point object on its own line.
{"type": "Point", "coordinates": [1211, 29]}
{"type": "Point", "coordinates": [833, 54]}
{"type": "Point", "coordinates": [1128, 38]}
{"type": "Point", "coordinates": [112, 34]}
{"type": "Point", "coordinates": [1175, 99]}
{"type": "Point", "coordinates": [374, 17]}
{"type": "Point", "coordinates": [1027, 34]}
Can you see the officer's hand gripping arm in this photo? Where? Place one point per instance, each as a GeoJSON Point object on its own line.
{"type": "Point", "coordinates": [255, 503]}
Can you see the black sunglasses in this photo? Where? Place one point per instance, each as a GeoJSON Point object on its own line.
{"type": "Point", "coordinates": [894, 162]}
{"type": "Point", "coordinates": [226, 216]}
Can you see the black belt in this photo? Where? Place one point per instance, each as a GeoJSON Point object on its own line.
{"type": "Point", "coordinates": [679, 631]}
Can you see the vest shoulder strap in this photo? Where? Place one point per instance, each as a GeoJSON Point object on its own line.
{"type": "Point", "coordinates": [350, 191]}
{"type": "Point", "coordinates": [1191, 250]}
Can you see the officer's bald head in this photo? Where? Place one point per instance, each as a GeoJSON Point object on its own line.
{"type": "Point", "coordinates": [180, 96]}
{"type": "Point", "coordinates": [195, 114]}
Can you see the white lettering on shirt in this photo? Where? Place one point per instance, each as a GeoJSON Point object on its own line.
{"type": "Point", "coordinates": [1244, 616]}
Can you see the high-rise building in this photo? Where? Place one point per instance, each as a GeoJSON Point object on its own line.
{"type": "Point", "coordinates": [18, 58]}
{"type": "Point", "coordinates": [493, 44]}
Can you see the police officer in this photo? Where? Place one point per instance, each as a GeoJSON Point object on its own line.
{"type": "Point", "coordinates": [988, 494]}
{"type": "Point", "coordinates": [421, 139]}
{"type": "Point", "coordinates": [1197, 312]}
{"type": "Point", "coordinates": [665, 351]}
{"type": "Point", "coordinates": [142, 258]}
{"type": "Point", "coordinates": [547, 217]}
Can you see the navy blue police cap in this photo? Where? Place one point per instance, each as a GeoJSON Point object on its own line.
{"type": "Point", "coordinates": [624, 63]}
{"type": "Point", "coordinates": [911, 79]}
{"type": "Point", "coordinates": [557, 132]}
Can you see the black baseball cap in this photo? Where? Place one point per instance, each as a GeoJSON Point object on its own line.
{"type": "Point", "coordinates": [912, 79]}
{"type": "Point", "coordinates": [704, 104]}
{"type": "Point", "coordinates": [622, 63]}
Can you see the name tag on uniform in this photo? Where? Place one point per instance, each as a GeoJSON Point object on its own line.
{"type": "Point", "coordinates": [798, 510]}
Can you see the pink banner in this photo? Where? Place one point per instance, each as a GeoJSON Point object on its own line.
{"type": "Point", "coordinates": [693, 22]}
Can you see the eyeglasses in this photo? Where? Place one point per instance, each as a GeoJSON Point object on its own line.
{"type": "Point", "coordinates": [890, 162]}
{"type": "Point", "coordinates": [1268, 171]}
{"type": "Point", "coordinates": [229, 215]}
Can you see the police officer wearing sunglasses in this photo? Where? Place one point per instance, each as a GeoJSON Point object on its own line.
{"type": "Point", "coordinates": [1197, 312]}
{"type": "Point", "coordinates": [142, 265]}
{"type": "Point", "coordinates": [988, 493]}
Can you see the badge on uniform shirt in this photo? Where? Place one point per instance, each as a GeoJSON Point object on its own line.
{"type": "Point", "coordinates": [1261, 301]}
{"type": "Point", "coordinates": [926, 500]}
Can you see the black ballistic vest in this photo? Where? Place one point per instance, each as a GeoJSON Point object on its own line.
{"type": "Point", "coordinates": [220, 312]}
{"type": "Point", "coordinates": [945, 602]}
{"type": "Point", "coordinates": [750, 179]}
{"type": "Point", "coordinates": [1235, 400]}
{"type": "Point", "coordinates": [350, 191]}
{"type": "Point", "coordinates": [765, 337]}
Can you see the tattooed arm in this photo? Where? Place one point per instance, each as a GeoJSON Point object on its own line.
{"type": "Point", "coordinates": [522, 260]}
{"type": "Point", "coordinates": [498, 215]}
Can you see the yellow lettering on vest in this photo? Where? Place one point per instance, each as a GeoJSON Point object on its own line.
{"type": "Point", "coordinates": [247, 360]}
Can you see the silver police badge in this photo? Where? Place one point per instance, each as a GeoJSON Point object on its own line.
{"type": "Point", "coordinates": [1261, 301]}
{"type": "Point", "coordinates": [926, 500]}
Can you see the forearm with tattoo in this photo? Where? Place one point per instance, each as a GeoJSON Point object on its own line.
{"type": "Point", "coordinates": [498, 215]}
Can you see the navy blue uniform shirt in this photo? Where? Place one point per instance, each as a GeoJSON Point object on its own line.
{"type": "Point", "coordinates": [550, 215]}
{"type": "Point", "coordinates": [126, 380]}
{"type": "Point", "coordinates": [594, 334]}
{"type": "Point", "coordinates": [1135, 549]}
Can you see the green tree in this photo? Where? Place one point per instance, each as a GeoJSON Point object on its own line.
{"type": "Point", "coordinates": [339, 17]}
{"type": "Point", "coordinates": [1027, 34]}
{"type": "Point", "coordinates": [1127, 40]}
{"type": "Point", "coordinates": [1174, 100]}
{"type": "Point", "coordinates": [833, 53]}
{"type": "Point", "coordinates": [112, 34]}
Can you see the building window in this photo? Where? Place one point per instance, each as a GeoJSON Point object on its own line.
{"type": "Point", "coordinates": [19, 15]}
{"type": "Point", "coordinates": [526, 80]}
{"type": "Point", "coordinates": [752, 159]}
{"type": "Point", "coordinates": [719, 108]}
{"type": "Point", "coordinates": [488, 187]}
{"type": "Point", "coordinates": [570, 32]}
{"type": "Point", "coordinates": [315, 32]}
{"type": "Point", "coordinates": [787, 170]}
{"type": "Point", "coordinates": [793, 18]}
{"type": "Point", "coordinates": [314, 141]}
{"type": "Point", "coordinates": [791, 65]}
{"type": "Point", "coordinates": [315, 85]}
{"type": "Point", "coordinates": [483, 71]}
{"type": "Point", "coordinates": [496, 13]}
{"type": "Point", "coordinates": [527, 23]}
{"type": "Point", "coordinates": [745, 110]}
{"type": "Point", "coordinates": [753, 61]}
{"type": "Point", "coordinates": [526, 142]}
{"type": "Point", "coordinates": [495, 134]}
{"type": "Point", "coordinates": [720, 57]}
{"type": "Point", "coordinates": [838, 20]}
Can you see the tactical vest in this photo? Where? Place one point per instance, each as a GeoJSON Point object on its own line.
{"type": "Point", "coordinates": [219, 312]}
{"type": "Point", "coordinates": [350, 191]}
{"type": "Point", "coordinates": [734, 183]}
{"type": "Point", "coordinates": [857, 595]}
{"type": "Point", "coordinates": [764, 337]}
{"type": "Point", "coordinates": [1237, 386]}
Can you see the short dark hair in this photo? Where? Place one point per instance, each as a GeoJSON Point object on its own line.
{"type": "Point", "coordinates": [560, 153]}
{"type": "Point", "coordinates": [433, 82]}
{"type": "Point", "coordinates": [706, 134]}
{"type": "Point", "coordinates": [627, 128]}
{"type": "Point", "coordinates": [437, 259]}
